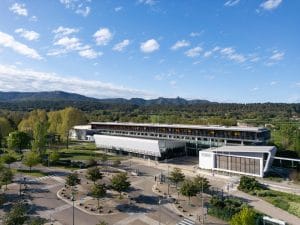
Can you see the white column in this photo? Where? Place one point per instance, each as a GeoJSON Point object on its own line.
{"type": "Point", "coordinates": [261, 167]}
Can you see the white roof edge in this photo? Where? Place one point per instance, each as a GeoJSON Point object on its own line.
{"type": "Point", "coordinates": [215, 127]}
{"type": "Point", "coordinates": [241, 148]}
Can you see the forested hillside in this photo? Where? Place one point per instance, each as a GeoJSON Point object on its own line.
{"type": "Point", "coordinates": [282, 119]}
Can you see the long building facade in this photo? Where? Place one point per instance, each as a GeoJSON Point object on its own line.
{"type": "Point", "coordinates": [192, 138]}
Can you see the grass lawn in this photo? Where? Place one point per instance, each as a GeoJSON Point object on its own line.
{"type": "Point", "coordinates": [79, 154]}
{"type": "Point", "coordinates": [83, 151]}
{"type": "Point", "coordinates": [32, 173]}
{"type": "Point", "coordinates": [286, 201]}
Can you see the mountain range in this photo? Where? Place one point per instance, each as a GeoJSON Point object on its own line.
{"type": "Point", "coordinates": [14, 97]}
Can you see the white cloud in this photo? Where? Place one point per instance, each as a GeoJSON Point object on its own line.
{"type": "Point", "coordinates": [83, 11]}
{"type": "Point", "coordinates": [64, 31]}
{"type": "Point", "coordinates": [148, 2]}
{"type": "Point", "coordinates": [103, 36]}
{"type": "Point", "coordinates": [68, 3]}
{"type": "Point", "coordinates": [121, 45]}
{"type": "Point", "coordinates": [217, 48]}
{"type": "Point", "coordinates": [193, 52]}
{"type": "Point", "coordinates": [28, 34]}
{"type": "Point", "coordinates": [207, 54]}
{"type": "Point", "coordinates": [195, 34]}
{"type": "Point", "coordinates": [78, 6]}
{"type": "Point", "coordinates": [270, 4]}
{"type": "Point", "coordinates": [298, 84]}
{"type": "Point", "coordinates": [231, 54]}
{"type": "Point", "coordinates": [19, 9]}
{"type": "Point", "coordinates": [69, 43]}
{"type": "Point", "coordinates": [33, 19]}
{"type": "Point", "coordinates": [254, 89]}
{"type": "Point", "coordinates": [119, 8]}
{"type": "Point", "coordinates": [230, 3]}
{"type": "Point", "coordinates": [180, 44]}
{"type": "Point", "coordinates": [272, 83]}
{"type": "Point", "coordinates": [277, 56]}
{"type": "Point", "coordinates": [149, 46]}
{"type": "Point", "coordinates": [8, 41]}
{"type": "Point", "coordinates": [89, 53]}
{"type": "Point", "coordinates": [227, 51]}
{"type": "Point", "coordinates": [13, 78]}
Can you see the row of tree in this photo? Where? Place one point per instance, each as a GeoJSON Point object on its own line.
{"type": "Point", "coordinates": [119, 182]}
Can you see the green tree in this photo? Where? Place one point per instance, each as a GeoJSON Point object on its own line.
{"type": "Point", "coordinates": [246, 216]}
{"type": "Point", "coordinates": [201, 182]}
{"type": "Point", "coordinates": [54, 157]}
{"type": "Point", "coordinates": [94, 174]}
{"type": "Point", "coordinates": [18, 140]}
{"type": "Point", "coordinates": [8, 159]}
{"type": "Point", "coordinates": [16, 216]}
{"type": "Point", "coordinates": [31, 159]}
{"type": "Point", "coordinates": [98, 191]}
{"type": "Point", "coordinates": [70, 117]}
{"type": "Point", "coordinates": [72, 179]}
{"type": "Point", "coordinates": [6, 176]}
{"type": "Point", "coordinates": [119, 182]}
{"type": "Point", "coordinates": [5, 128]}
{"type": "Point", "coordinates": [176, 176]}
{"type": "Point", "coordinates": [28, 123]}
{"type": "Point", "coordinates": [189, 189]}
{"type": "Point", "coordinates": [102, 223]}
{"type": "Point", "coordinates": [55, 121]}
{"type": "Point", "coordinates": [40, 137]}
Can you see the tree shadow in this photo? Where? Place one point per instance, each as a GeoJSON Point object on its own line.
{"type": "Point", "coordinates": [132, 208]}
{"type": "Point", "coordinates": [147, 199]}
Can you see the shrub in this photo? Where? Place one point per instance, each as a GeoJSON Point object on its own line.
{"type": "Point", "coordinates": [248, 184]}
{"type": "Point", "coordinates": [224, 208]}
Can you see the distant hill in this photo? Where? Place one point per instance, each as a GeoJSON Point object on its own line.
{"type": "Point", "coordinates": [72, 97]}
{"type": "Point", "coordinates": [45, 95]}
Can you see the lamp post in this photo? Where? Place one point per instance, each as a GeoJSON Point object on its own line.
{"type": "Point", "coordinates": [168, 182]}
{"type": "Point", "coordinates": [73, 200]}
{"type": "Point", "coordinates": [159, 211]}
{"type": "Point", "coordinates": [20, 180]}
{"type": "Point", "coordinates": [202, 202]}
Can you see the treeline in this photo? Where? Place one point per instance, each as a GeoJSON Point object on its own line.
{"type": "Point", "coordinates": [282, 119]}
{"type": "Point", "coordinates": [38, 125]}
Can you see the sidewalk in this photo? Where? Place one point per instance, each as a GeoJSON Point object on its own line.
{"type": "Point", "coordinates": [267, 208]}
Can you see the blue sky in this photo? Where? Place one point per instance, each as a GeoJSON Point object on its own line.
{"type": "Point", "coordinates": [221, 50]}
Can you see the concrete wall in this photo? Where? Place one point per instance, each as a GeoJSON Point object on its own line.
{"type": "Point", "coordinates": [206, 160]}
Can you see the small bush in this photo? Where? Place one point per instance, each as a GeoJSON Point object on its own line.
{"type": "Point", "coordinates": [249, 184]}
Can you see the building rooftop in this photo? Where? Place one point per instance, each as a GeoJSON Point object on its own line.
{"type": "Point", "coordinates": [214, 127]}
{"type": "Point", "coordinates": [242, 148]}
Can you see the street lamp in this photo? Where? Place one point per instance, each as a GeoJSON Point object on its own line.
{"type": "Point", "coordinates": [73, 200]}
{"type": "Point", "coordinates": [159, 210]}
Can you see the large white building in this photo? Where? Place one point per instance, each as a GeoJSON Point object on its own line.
{"type": "Point", "coordinates": [137, 146]}
{"type": "Point", "coordinates": [245, 160]}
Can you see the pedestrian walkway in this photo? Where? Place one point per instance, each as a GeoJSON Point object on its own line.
{"type": "Point", "coordinates": [268, 208]}
{"type": "Point", "coordinates": [186, 222]}
{"type": "Point", "coordinates": [59, 179]}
